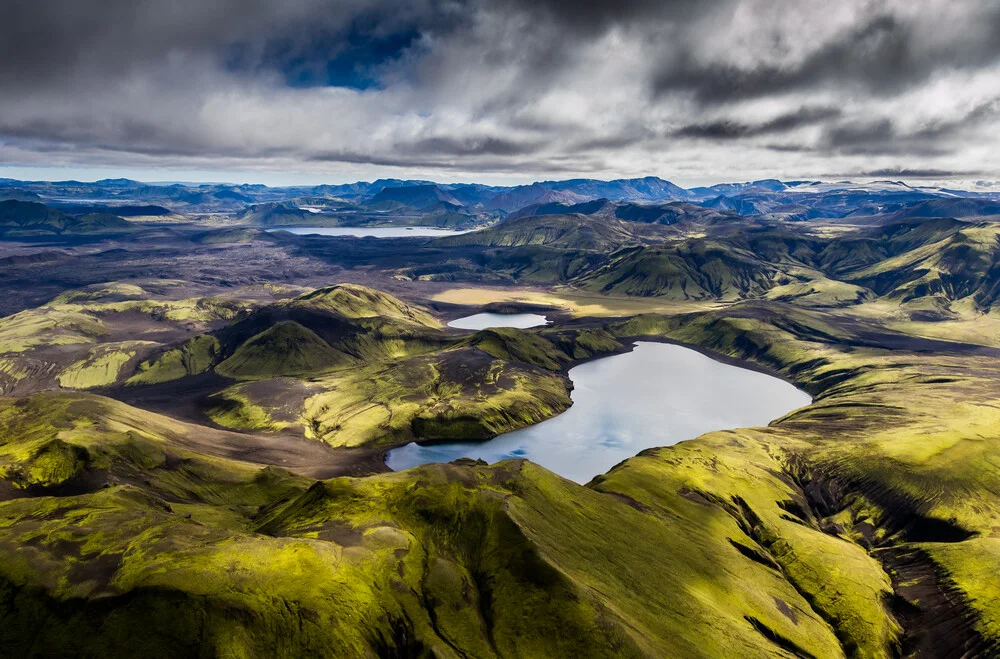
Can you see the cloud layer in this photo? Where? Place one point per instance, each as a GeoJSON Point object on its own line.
{"type": "Point", "coordinates": [685, 89]}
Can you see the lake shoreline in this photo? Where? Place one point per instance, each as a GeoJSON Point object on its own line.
{"type": "Point", "coordinates": [615, 414]}
{"type": "Point", "coordinates": [629, 344]}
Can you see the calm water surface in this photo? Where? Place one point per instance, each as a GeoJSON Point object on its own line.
{"type": "Point", "coordinates": [483, 320]}
{"type": "Point", "coordinates": [377, 232]}
{"type": "Point", "coordinates": [656, 395]}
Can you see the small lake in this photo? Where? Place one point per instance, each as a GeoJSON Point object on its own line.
{"type": "Point", "coordinates": [376, 232]}
{"type": "Point", "coordinates": [483, 320]}
{"type": "Point", "coordinates": [657, 395]}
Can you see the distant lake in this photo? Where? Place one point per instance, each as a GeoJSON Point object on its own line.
{"type": "Point", "coordinates": [377, 232]}
{"type": "Point", "coordinates": [483, 320]}
{"type": "Point", "coordinates": [657, 395]}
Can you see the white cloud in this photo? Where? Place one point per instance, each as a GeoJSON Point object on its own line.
{"type": "Point", "coordinates": [501, 89]}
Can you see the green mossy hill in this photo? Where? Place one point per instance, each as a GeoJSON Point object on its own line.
{"type": "Point", "coordinates": [193, 357]}
{"type": "Point", "coordinates": [541, 263]}
{"type": "Point", "coordinates": [373, 380]}
{"type": "Point", "coordinates": [502, 561]}
{"type": "Point", "coordinates": [25, 331]}
{"type": "Point", "coordinates": [565, 231]}
{"type": "Point", "coordinates": [96, 222]}
{"type": "Point", "coordinates": [845, 253]}
{"type": "Point", "coordinates": [492, 382]}
{"type": "Point", "coordinates": [461, 393]}
{"type": "Point", "coordinates": [28, 214]}
{"type": "Point", "coordinates": [508, 265]}
{"type": "Point", "coordinates": [511, 344]}
{"type": "Point", "coordinates": [354, 301]}
{"type": "Point", "coordinates": [110, 292]}
{"type": "Point", "coordinates": [919, 260]}
{"type": "Point", "coordinates": [106, 300]}
{"type": "Point", "coordinates": [963, 265]}
{"type": "Point", "coordinates": [327, 328]}
{"type": "Point", "coordinates": [286, 349]}
{"type": "Point", "coordinates": [233, 409]}
{"type": "Point", "coordinates": [83, 339]}
{"type": "Point", "coordinates": [365, 324]}
{"type": "Point", "coordinates": [70, 444]}
{"type": "Point", "coordinates": [893, 457]}
{"type": "Point", "coordinates": [550, 349]}
{"type": "Point", "coordinates": [695, 270]}
{"type": "Point", "coordinates": [105, 365]}
{"type": "Point", "coordinates": [12, 372]}
{"type": "Point", "coordinates": [532, 565]}
{"type": "Point", "coordinates": [816, 291]}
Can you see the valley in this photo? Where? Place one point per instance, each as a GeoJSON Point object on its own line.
{"type": "Point", "coordinates": [196, 411]}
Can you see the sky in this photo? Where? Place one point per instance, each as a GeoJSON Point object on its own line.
{"type": "Point", "coordinates": [501, 91]}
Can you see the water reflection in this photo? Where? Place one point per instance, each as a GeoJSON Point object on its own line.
{"type": "Point", "coordinates": [483, 320]}
{"type": "Point", "coordinates": [377, 232]}
{"type": "Point", "coordinates": [656, 395]}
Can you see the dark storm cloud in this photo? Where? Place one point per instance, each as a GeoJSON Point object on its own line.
{"type": "Point", "coordinates": [526, 86]}
{"type": "Point", "coordinates": [903, 173]}
{"type": "Point", "coordinates": [884, 135]}
{"type": "Point", "coordinates": [860, 134]}
{"type": "Point", "coordinates": [876, 55]}
{"type": "Point", "coordinates": [594, 16]}
{"type": "Point", "coordinates": [728, 129]}
{"type": "Point", "coordinates": [472, 146]}
{"type": "Point", "coordinates": [48, 41]}
{"type": "Point", "coordinates": [883, 55]}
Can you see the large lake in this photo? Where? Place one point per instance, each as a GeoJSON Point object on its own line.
{"type": "Point", "coordinates": [376, 232]}
{"type": "Point", "coordinates": [657, 395]}
{"type": "Point", "coordinates": [483, 320]}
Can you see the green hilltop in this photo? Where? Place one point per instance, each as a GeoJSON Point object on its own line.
{"type": "Point", "coordinates": [286, 348]}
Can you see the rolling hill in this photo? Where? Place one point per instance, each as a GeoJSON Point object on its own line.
{"type": "Point", "coordinates": [27, 217]}
{"type": "Point", "coordinates": [686, 271]}
{"type": "Point", "coordinates": [962, 266]}
{"type": "Point", "coordinates": [581, 232]}
{"type": "Point", "coordinates": [285, 349]}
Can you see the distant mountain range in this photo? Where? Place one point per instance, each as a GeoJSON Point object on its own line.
{"type": "Point", "coordinates": [793, 200]}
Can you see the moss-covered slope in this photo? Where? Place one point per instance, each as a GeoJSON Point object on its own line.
{"type": "Point", "coordinates": [286, 348]}
{"type": "Point", "coordinates": [579, 232]}
{"type": "Point", "coordinates": [688, 271]}
{"type": "Point", "coordinates": [448, 560]}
